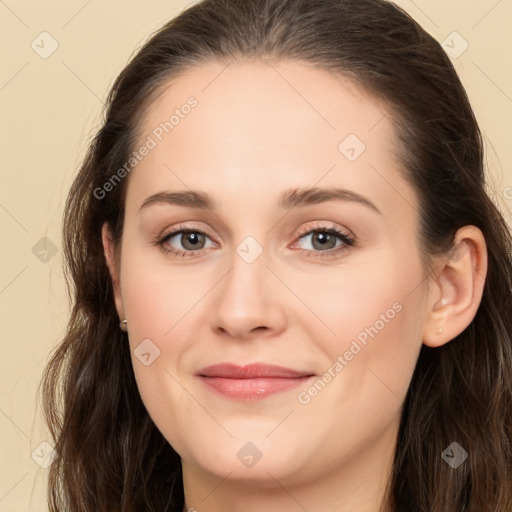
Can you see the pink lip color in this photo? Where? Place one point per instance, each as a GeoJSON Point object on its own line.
{"type": "Point", "coordinates": [251, 382]}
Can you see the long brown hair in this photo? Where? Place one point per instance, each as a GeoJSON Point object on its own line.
{"type": "Point", "coordinates": [110, 455]}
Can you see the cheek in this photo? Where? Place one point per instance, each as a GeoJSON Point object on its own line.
{"type": "Point", "coordinates": [167, 403]}
{"type": "Point", "coordinates": [159, 308]}
{"type": "Point", "coordinates": [367, 370]}
{"type": "Point", "coordinates": [156, 296]}
{"type": "Point", "coordinates": [374, 318]}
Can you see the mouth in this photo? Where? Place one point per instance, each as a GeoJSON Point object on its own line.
{"type": "Point", "coordinates": [251, 382]}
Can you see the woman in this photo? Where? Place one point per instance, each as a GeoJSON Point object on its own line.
{"type": "Point", "coordinates": [290, 288]}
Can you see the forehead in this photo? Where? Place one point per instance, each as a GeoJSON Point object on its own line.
{"type": "Point", "coordinates": [265, 104]}
{"type": "Point", "coordinates": [266, 127]}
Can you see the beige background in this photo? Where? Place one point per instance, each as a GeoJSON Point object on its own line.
{"type": "Point", "coordinates": [50, 109]}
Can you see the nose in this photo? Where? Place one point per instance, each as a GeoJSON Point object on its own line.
{"type": "Point", "coordinates": [248, 302]}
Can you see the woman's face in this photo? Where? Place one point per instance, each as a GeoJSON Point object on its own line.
{"type": "Point", "coordinates": [344, 308]}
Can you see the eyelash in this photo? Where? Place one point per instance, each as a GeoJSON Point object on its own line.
{"type": "Point", "coordinates": [347, 240]}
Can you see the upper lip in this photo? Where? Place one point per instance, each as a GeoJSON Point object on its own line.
{"type": "Point", "coordinates": [251, 371]}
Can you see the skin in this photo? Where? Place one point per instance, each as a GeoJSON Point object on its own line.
{"type": "Point", "coordinates": [258, 130]}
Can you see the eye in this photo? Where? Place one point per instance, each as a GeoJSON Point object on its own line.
{"type": "Point", "coordinates": [191, 239]}
{"type": "Point", "coordinates": [325, 241]}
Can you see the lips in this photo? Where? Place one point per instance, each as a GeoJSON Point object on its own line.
{"type": "Point", "coordinates": [251, 382]}
{"type": "Point", "coordinates": [251, 371]}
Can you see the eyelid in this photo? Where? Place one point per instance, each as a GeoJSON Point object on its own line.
{"type": "Point", "coordinates": [323, 227]}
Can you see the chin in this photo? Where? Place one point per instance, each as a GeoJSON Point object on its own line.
{"type": "Point", "coordinates": [255, 460]}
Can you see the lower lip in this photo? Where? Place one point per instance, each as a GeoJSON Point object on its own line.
{"type": "Point", "coordinates": [252, 389]}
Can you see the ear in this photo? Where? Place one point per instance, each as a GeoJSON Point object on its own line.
{"type": "Point", "coordinates": [456, 290]}
{"type": "Point", "coordinates": [109, 251]}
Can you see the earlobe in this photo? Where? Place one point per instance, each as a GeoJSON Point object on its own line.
{"type": "Point", "coordinates": [109, 252]}
{"type": "Point", "coordinates": [457, 290]}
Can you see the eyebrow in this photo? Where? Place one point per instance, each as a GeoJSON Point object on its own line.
{"type": "Point", "coordinates": [292, 198]}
